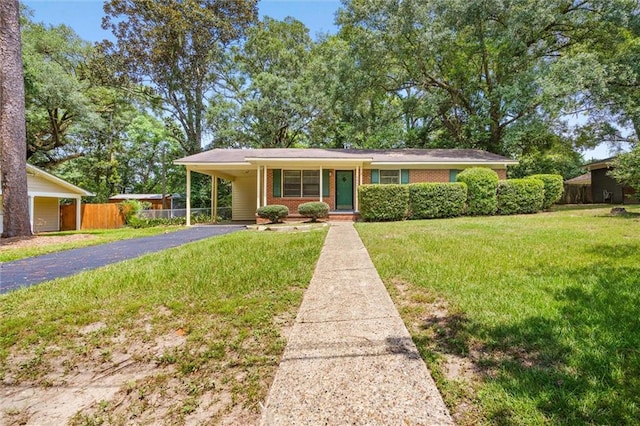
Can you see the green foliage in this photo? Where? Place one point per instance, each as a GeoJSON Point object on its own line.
{"type": "Point", "coordinates": [130, 209]}
{"type": "Point", "coordinates": [274, 212]}
{"type": "Point", "coordinates": [566, 164]}
{"type": "Point", "coordinates": [179, 49]}
{"type": "Point", "coordinates": [626, 168]}
{"type": "Point", "coordinates": [520, 196]}
{"type": "Point", "coordinates": [553, 188]}
{"type": "Point", "coordinates": [383, 202]}
{"type": "Point", "coordinates": [315, 210]}
{"type": "Point", "coordinates": [138, 222]}
{"type": "Point", "coordinates": [482, 184]}
{"type": "Point", "coordinates": [436, 200]}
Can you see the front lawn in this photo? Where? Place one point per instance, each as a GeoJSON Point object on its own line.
{"type": "Point", "coordinates": [524, 319]}
{"type": "Point", "coordinates": [51, 242]}
{"type": "Point", "coordinates": [188, 335]}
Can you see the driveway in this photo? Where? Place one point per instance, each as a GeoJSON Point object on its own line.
{"type": "Point", "coordinates": [34, 270]}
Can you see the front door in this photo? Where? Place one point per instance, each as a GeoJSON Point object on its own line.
{"type": "Point", "coordinates": [344, 190]}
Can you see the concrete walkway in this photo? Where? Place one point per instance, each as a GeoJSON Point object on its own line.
{"type": "Point", "coordinates": [349, 358]}
{"type": "Point", "coordinates": [34, 270]}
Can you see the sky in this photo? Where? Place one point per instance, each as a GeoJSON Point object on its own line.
{"type": "Point", "coordinates": [85, 17]}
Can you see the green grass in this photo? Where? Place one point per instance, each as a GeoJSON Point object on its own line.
{"type": "Point", "coordinates": [99, 236]}
{"type": "Point", "coordinates": [547, 308]}
{"type": "Point", "coordinates": [228, 296]}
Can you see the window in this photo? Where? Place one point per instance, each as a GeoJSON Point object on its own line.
{"type": "Point", "coordinates": [301, 183]}
{"type": "Point", "coordinates": [389, 176]}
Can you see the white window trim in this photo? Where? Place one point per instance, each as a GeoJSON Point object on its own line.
{"type": "Point", "coordinates": [398, 175]}
{"type": "Point", "coordinates": [300, 194]}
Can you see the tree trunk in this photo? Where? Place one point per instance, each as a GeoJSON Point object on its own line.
{"type": "Point", "coordinates": [13, 136]}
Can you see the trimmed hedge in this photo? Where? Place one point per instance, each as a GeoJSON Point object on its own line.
{"type": "Point", "coordinates": [274, 212]}
{"type": "Point", "coordinates": [314, 210]}
{"type": "Point", "coordinates": [519, 196]}
{"type": "Point", "coordinates": [553, 188]}
{"type": "Point", "coordinates": [383, 202]}
{"type": "Point", "coordinates": [482, 184]}
{"type": "Point", "coordinates": [436, 200]}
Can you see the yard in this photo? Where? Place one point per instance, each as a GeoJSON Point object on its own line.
{"type": "Point", "coordinates": [522, 319]}
{"type": "Point", "coordinates": [192, 334]}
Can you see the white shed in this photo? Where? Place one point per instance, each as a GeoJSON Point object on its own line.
{"type": "Point", "coordinates": [45, 191]}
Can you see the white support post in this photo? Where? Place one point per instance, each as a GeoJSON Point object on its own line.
{"type": "Point", "coordinates": [188, 196]}
{"type": "Point", "coordinates": [357, 186]}
{"type": "Point", "coordinates": [78, 213]}
{"type": "Point", "coordinates": [321, 184]}
{"type": "Point", "coordinates": [264, 187]}
{"type": "Point", "coordinates": [214, 190]}
{"type": "Point", "coordinates": [31, 212]}
{"type": "Point", "coordinates": [258, 188]}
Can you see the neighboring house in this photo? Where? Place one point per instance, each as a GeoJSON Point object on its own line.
{"type": "Point", "coordinates": [45, 192]}
{"type": "Point", "coordinates": [577, 190]}
{"type": "Point", "coordinates": [606, 189]}
{"type": "Point", "coordinates": [154, 199]}
{"type": "Point", "coordinates": [290, 177]}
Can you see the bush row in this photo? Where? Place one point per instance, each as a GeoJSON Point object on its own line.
{"type": "Point", "coordinates": [413, 201]}
{"type": "Point", "coordinates": [477, 192]}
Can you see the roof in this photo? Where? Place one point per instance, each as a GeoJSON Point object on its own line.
{"type": "Point", "coordinates": [600, 164]}
{"type": "Point", "coordinates": [139, 197]}
{"type": "Point", "coordinates": [584, 179]}
{"type": "Point", "coordinates": [61, 182]}
{"type": "Point", "coordinates": [373, 156]}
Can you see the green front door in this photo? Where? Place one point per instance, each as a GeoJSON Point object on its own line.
{"type": "Point", "coordinates": [344, 190]}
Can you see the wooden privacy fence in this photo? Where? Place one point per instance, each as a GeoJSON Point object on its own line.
{"type": "Point", "coordinates": [93, 216]}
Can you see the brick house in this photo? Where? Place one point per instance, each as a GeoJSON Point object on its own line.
{"type": "Point", "coordinates": [291, 176]}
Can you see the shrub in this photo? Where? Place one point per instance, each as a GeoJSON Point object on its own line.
{"type": "Point", "coordinates": [314, 210]}
{"type": "Point", "coordinates": [433, 200]}
{"type": "Point", "coordinates": [482, 184]}
{"type": "Point", "coordinates": [383, 202]}
{"type": "Point", "coordinates": [518, 196]}
{"type": "Point", "coordinates": [553, 188]}
{"type": "Point", "coordinates": [274, 212]}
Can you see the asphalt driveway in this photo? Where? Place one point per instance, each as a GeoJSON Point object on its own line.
{"type": "Point", "coordinates": [34, 270]}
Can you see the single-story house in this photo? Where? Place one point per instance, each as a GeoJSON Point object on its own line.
{"type": "Point", "coordinates": [156, 200]}
{"type": "Point", "coordinates": [605, 189]}
{"type": "Point", "coordinates": [45, 192]}
{"type": "Point", "coordinates": [291, 176]}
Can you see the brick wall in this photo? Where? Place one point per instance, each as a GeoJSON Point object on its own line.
{"type": "Point", "coordinates": [292, 203]}
{"type": "Point", "coordinates": [428, 175]}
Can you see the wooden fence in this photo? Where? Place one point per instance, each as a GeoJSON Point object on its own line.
{"type": "Point", "coordinates": [94, 216]}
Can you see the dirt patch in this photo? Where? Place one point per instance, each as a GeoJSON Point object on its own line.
{"type": "Point", "coordinates": [41, 241]}
{"type": "Point", "coordinates": [144, 377]}
{"type": "Point", "coordinates": [439, 330]}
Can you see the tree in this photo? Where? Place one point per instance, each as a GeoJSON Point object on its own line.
{"type": "Point", "coordinates": [478, 73]}
{"type": "Point", "coordinates": [13, 173]}
{"type": "Point", "coordinates": [626, 168]}
{"type": "Point", "coordinates": [176, 48]}
{"type": "Point", "coordinates": [277, 101]}
{"type": "Point", "coordinates": [57, 82]}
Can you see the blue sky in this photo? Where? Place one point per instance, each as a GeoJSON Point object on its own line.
{"type": "Point", "coordinates": [85, 16]}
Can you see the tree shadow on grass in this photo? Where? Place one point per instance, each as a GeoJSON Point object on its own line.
{"type": "Point", "coordinates": [581, 367]}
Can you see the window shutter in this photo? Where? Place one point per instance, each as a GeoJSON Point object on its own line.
{"type": "Point", "coordinates": [325, 182]}
{"type": "Point", "coordinates": [404, 176]}
{"type": "Point", "coordinates": [277, 182]}
{"type": "Point", "coordinates": [453, 174]}
{"type": "Point", "coordinates": [375, 176]}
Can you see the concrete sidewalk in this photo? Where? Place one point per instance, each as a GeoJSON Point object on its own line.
{"type": "Point", "coordinates": [349, 357]}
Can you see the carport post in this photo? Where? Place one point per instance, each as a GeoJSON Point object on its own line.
{"type": "Point", "coordinates": [214, 198]}
{"type": "Point", "coordinates": [78, 213]}
{"type": "Point", "coordinates": [188, 196]}
{"type": "Point", "coordinates": [31, 212]}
